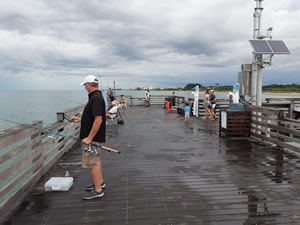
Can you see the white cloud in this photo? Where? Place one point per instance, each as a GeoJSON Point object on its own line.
{"type": "Point", "coordinates": [138, 41]}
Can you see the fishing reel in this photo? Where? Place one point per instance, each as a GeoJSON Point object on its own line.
{"type": "Point", "coordinates": [88, 149]}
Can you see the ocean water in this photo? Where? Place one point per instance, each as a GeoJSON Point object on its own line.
{"type": "Point", "coordinates": [27, 106]}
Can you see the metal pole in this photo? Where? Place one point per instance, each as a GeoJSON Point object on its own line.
{"type": "Point", "coordinates": [259, 83]}
{"type": "Point", "coordinates": [259, 87]}
{"type": "Point", "coordinates": [115, 88]}
{"type": "Point", "coordinates": [257, 61]}
{"type": "Point", "coordinates": [253, 82]}
{"type": "Point", "coordinates": [257, 19]}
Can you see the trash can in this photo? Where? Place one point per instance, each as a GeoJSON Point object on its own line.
{"type": "Point", "coordinates": [235, 121]}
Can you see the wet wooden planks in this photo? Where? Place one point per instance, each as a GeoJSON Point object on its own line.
{"type": "Point", "coordinates": [172, 172]}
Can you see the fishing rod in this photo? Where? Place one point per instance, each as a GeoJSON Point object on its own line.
{"type": "Point", "coordinates": [68, 118]}
{"type": "Point", "coordinates": [86, 148]}
{"type": "Point", "coordinates": [69, 100]}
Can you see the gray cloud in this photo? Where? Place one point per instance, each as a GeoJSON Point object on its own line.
{"type": "Point", "coordinates": [159, 43]}
{"type": "Point", "coordinates": [15, 22]}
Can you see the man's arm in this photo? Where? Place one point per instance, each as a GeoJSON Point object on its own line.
{"type": "Point", "coordinates": [94, 130]}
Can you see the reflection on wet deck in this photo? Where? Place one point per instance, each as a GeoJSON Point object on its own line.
{"type": "Point", "coordinates": [173, 172]}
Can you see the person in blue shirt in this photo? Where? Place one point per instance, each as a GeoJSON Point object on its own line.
{"type": "Point", "coordinates": [187, 110]}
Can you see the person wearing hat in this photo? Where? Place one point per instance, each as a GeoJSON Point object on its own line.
{"type": "Point", "coordinates": [92, 131]}
{"type": "Point", "coordinates": [114, 108]}
{"type": "Point", "coordinates": [112, 112]}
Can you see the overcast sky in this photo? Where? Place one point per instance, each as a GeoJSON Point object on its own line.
{"type": "Point", "coordinates": [54, 44]}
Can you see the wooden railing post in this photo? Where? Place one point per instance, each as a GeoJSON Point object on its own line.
{"type": "Point", "coordinates": [273, 128]}
{"type": "Point", "coordinates": [37, 147]}
{"type": "Point", "coordinates": [291, 109]}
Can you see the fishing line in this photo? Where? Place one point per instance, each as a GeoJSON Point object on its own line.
{"type": "Point", "coordinates": [68, 118]}
{"type": "Point", "coordinates": [40, 125]}
{"type": "Point", "coordinates": [59, 133]}
{"type": "Point", "coordinates": [86, 148]}
{"type": "Point", "coordinates": [78, 103]}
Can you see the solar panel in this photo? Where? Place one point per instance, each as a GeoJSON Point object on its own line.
{"type": "Point", "coordinates": [278, 47]}
{"type": "Point", "coordinates": [261, 47]}
{"type": "Point", "coordinates": [269, 47]}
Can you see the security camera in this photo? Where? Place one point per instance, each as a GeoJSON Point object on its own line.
{"type": "Point", "coordinates": [270, 29]}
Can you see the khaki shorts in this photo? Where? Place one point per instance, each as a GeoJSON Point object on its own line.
{"type": "Point", "coordinates": [89, 160]}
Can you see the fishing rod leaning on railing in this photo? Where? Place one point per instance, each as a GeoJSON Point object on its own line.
{"type": "Point", "coordinates": [45, 129]}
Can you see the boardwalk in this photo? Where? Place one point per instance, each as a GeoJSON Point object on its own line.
{"type": "Point", "coordinates": [171, 172]}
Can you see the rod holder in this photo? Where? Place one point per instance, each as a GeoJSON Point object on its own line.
{"type": "Point", "coordinates": [60, 116]}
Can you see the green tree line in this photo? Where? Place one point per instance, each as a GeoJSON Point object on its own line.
{"type": "Point", "coordinates": [287, 88]}
{"type": "Point", "coordinates": [282, 88]}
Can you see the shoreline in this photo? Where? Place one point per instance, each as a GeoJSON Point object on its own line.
{"type": "Point", "coordinates": [264, 93]}
{"type": "Point", "coordinates": [282, 93]}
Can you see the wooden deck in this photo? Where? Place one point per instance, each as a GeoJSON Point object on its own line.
{"type": "Point", "coordinates": [172, 172]}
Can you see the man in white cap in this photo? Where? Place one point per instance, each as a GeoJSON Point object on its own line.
{"type": "Point", "coordinates": [92, 131]}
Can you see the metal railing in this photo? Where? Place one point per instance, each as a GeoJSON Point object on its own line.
{"type": "Point", "coordinates": [154, 100]}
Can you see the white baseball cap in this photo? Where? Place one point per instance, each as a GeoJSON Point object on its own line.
{"type": "Point", "coordinates": [90, 79]}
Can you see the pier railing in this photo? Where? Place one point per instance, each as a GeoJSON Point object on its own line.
{"type": "Point", "coordinates": [221, 105]}
{"type": "Point", "coordinates": [291, 106]}
{"type": "Point", "coordinates": [28, 151]}
{"type": "Point", "coordinates": [271, 125]}
{"type": "Point", "coordinates": [154, 100]}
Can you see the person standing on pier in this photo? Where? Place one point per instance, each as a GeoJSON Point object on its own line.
{"type": "Point", "coordinates": [206, 104]}
{"type": "Point", "coordinates": [92, 131]}
{"type": "Point", "coordinates": [110, 94]}
{"type": "Point", "coordinates": [212, 105]}
{"type": "Point", "coordinates": [187, 110]}
{"type": "Point", "coordinates": [148, 98]}
{"type": "Point", "coordinates": [173, 99]}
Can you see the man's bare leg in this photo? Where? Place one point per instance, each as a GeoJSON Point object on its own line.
{"type": "Point", "coordinates": [97, 177]}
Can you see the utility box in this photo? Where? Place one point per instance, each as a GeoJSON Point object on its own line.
{"type": "Point", "coordinates": [59, 184]}
{"type": "Point", "coordinates": [235, 123]}
{"type": "Point", "coordinates": [244, 79]}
